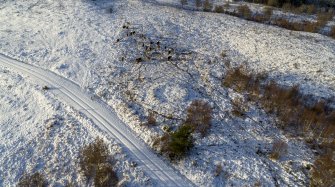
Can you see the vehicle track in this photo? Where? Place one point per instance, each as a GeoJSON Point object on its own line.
{"type": "Point", "coordinates": [67, 91]}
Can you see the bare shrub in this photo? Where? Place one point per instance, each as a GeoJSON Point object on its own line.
{"type": "Point", "coordinates": [218, 170]}
{"type": "Point", "coordinates": [273, 3]}
{"type": "Point", "coordinates": [183, 2]}
{"type": "Point", "coordinates": [287, 7]}
{"type": "Point", "coordinates": [268, 11]}
{"type": "Point", "coordinates": [311, 27]}
{"type": "Point", "coordinates": [199, 116]}
{"type": "Point", "coordinates": [92, 155]}
{"type": "Point", "coordinates": [332, 32]}
{"type": "Point", "coordinates": [226, 5]}
{"type": "Point", "coordinates": [323, 173]}
{"type": "Point", "coordinates": [219, 9]}
{"type": "Point", "coordinates": [105, 176]}
{"type": "Point", "coordinates": [279, 149]}
{"type": "Point", "coordinates": [310, 9]}
{"type": "Point", "coordinates": [244, 11]}
{"type": "Point", "coordinates": [198, 3]}
{"type": "Point", "coordinates": [323, 18]}
{"type": "Point", "coordinates": [34, 180]}
{"type": "Point", "coordinates": [240, 81]}
{"type": "Point", "coordinates": [314, 121]}
{"type": "Point", "coordinates": [208, 6]}
{"type": "Point", "coordinates": [95, 163]}
{"type": "Point", "coordinates": [151, 119]}
{"type": "Point", "coordinates": [239, 108]}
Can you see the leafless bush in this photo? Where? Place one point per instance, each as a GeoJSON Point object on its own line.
{"type": "Point", "coordinates": [273, 2]}
{"type": "Point", "coordinates": [219, 9]}
{"type": "Point", "coordinates": [239, 107]}
{"type": "Point", "coordinates": [244, 11]}
{"type": "Point", "coordinates": [198, 3]}
{"type": "Point", "coordinates": [105, 176]}
{"type": "Point", "coordinates": [199, 116]}
{"type": "Point", "coordinates": [323, 173]}
{"type": "Point", "coordinates": [151, 119]}
{"type": "Point", "coordinates": [34, 180]}
{"type": "Point", "coordinates": [95, 163]}
{"type": "Point", "coordinates": [183, 2]}
{"type": "Point", "coordinates": [279, 149]}
{"type": "Point", "coordinates": [324, 17]}
{"type": "Point", "coordinates": [287, 7]}
{"type": "Point", "coordinates": [218, 170]}
{"type": "Point", "coordinates": [208, 6]}
{"type": "Point", "coordinates": [332, 32]}
{"type": "Point", "coordinates": [267, 12]}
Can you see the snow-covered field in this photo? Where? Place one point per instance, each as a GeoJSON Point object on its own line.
{"type": "Point", "coordinates": [85, 41]}
{"type": "Point", "coordinates": [40, 134]}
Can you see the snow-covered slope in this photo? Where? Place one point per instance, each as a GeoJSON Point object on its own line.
{"type": "Point", "coordinates": [40, 134]}
{"type": "Point", "coordinates": [78, 40]}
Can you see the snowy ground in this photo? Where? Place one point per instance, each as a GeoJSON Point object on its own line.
{"type": "Point", "coordinates": [39, 134]}
{"type": "Point", "coordinates": [85, 41]}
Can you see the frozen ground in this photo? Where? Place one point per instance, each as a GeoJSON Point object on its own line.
{"type": "Point", "coordinates": [85, 41]}
{"type": "Point", "coordinates": [40, 134]}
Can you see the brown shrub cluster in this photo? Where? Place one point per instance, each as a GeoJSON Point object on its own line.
{"type": "Point", "coordinates": [323, 173]}
{"type": "Point", "coordinates": [306, 26]}
{"type": "Point", "coordinates": [151, 120]}
{"type": "Point", "coordinates": [34, 180]}
{"type": "Point", "coordinates": [208, 6]}
{"type": "Point", "coordinates": [244, 11]}
{"type": "Point", "coordinates": [297, 113]}
{"type": "Point", "coordinates": [332, 32]}
{"type": "Point", "coordinates": [288, 104]}
{"type": "Point", "coordinates": [199, 116]}
{"type": "Point", "coordinates": [219, 9]}
{"type": "Point", "coordinates": [279, 149]}
{"type": "Point", "coordinates": [96, 164]}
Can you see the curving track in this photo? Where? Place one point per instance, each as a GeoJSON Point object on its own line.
{"type": "Point", "coordinates": [68, 92]}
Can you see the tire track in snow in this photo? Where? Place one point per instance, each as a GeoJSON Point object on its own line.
{"type": "Point", "coordinates": [67, 91]}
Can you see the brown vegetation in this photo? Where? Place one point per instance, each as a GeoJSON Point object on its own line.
{"type": "Point", "coordinates": [279, 149]}
{"type": "Point", "coordinates": [199, 116]}
{"type": "Point", "coordinates": [298, 115]}
{"type": "Point", "coordinates": [95, 163]}
{"type": "Point", "coordinates": [34, 180]}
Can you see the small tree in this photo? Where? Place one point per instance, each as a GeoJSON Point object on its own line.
{"type": "Point", "coordinates": [180, 142]}
{"type": "Point", "coordinates": [208, 6]}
